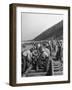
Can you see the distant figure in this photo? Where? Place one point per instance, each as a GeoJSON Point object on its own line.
{"type": "Point", "coordinates": [58, 51]}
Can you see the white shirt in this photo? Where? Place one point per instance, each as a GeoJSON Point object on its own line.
{"type": "Point", "coordinates": [27, 53]}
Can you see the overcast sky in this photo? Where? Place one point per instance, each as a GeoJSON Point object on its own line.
{"type": "Point", "coordinates": [34, 24]}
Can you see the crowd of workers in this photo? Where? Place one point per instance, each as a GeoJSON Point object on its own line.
{"type": "Point", "coordinates": [39, 56]}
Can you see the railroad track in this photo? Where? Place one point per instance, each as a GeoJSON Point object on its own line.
{"type": "Point", "coordinates": [56, 67]}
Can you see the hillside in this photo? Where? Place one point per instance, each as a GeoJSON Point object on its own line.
{"type": "Point", "coordinates": [55, 32]}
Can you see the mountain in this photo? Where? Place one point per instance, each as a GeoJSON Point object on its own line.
{"type": "Point", "coordinates": [55, 32]}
